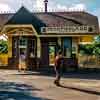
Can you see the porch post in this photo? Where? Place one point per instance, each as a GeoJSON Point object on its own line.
{"type": "Point", "coordinates": [38, 47]}
{"type": "Point", "coordinates": [75, 46]}
{"type": "Point", "coordinates": [59, 41]}
{"type": "Point", "coordinates": [9, 46]}
{"type": "Point", "coordinates": [38, 50]}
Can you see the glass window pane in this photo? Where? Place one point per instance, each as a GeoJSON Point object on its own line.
{"type": "Point", "coordinates": [23, 41]}
{"type": "Point", "coordinates": [32, 48]}
{"type": "Point", "coordinates": [67, 46]}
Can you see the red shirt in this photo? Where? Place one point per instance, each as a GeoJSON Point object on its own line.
{"type": "Point", "coordinates": [58, 60]}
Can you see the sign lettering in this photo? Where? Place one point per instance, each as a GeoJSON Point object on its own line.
{"type": "Point", "coordinates": [69, 29]}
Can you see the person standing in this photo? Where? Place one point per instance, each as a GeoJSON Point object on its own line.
{"type": "Point", "coordinates": [58, 67]}
{"type": "Point", "coordinates": [22, 62]}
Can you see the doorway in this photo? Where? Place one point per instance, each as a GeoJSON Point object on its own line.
{"type": "Point", "coordinates": [22, 53]}
{"type": "Point", "coordinates": [52, 53]}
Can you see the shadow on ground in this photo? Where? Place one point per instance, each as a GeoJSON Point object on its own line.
{"type": "Point", "coordinates": [14, 91]}
{"type": "Point", "coordinates": [91, 75]}
{"type": "Point", "coordinates": [81, 90]}
{"type": "Point", "coordinates": [7, 95]}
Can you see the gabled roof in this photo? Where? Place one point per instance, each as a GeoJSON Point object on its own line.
{"type": "Point", "coordinates": [23, 16]}
{"type": "Point", "coordinates": [4, 18]}
{"type": "Point", "coordinates": [40, 19]}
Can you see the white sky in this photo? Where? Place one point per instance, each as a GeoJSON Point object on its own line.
{"type": "Point", "coordinates": [12, 5]}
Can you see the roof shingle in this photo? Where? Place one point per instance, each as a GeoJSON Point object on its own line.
{"type": "Point", "coordinates": [40, 19]}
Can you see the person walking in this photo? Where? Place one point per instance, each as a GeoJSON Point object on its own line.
{"type": "Point", "coordinates": [58, 67]}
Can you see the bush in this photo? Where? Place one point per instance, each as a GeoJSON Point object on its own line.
{"type": "Point", "coordinates": [3, 47]}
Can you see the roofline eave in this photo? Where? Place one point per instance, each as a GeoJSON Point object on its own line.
{"type": "Point", "coordinates": [18, 26]}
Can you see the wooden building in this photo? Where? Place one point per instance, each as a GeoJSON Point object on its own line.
{"type": "Point", "coordinates": [40, 35]}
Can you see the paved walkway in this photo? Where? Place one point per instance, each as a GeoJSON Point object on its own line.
{"type": "Point", "coordinates": [16, 85]}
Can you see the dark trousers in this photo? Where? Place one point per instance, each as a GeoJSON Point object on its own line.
{"type": "Point", "coordinates": [58, 72]}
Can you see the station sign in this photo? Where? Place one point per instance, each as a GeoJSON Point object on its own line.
{"type": "Point", "coordinates": [69, 29]}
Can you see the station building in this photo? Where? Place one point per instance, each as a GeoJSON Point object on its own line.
{"type": "Point", "coordinates": [41, 34]}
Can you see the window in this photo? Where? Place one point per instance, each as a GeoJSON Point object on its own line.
{"type": "Point", "coordinates": [67, 47]}
{"type": "Point", "coordinates": [32, 47]}
{"type": "Point", "coordinates": [15, 43]}
{"type": "Point", "coordinates": [23, 41]}
{"type": "Point", "coordinates": [67, 52]}
{"type": "Point", "coordinates": [15, 47]}
{"type": "Point", "coordinates": [74, 50]}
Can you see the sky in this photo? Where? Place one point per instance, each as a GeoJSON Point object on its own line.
{"type": "Point", "coordinates": [91, 6]}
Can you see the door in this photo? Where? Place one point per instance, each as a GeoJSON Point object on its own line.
{"type": "Point", "coordinates": [52, 52]}
{"type": "Point", "coordinates": [22, 53]}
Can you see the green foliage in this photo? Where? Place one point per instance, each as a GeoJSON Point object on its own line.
{"type": "Point", "coordinates": [96, 49]}
{"type": "Point", "coordinates": [86, 49]}
{"type": "Point", "coordinates": [97, 46]}
{"type": "Point", "coordinates": [97, 39]}
{"type": "Point", "coordinates": [3, 47]}
{"type": "Point", "coordinates": [91, 49]}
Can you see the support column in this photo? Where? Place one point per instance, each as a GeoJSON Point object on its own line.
{"type": "Point", "coordinates": [9, 46]}
{"type": "Point", "coordinates": [38, 51]}
{"type": "Point", "coordinates": [59, 41]}
{"type": "Point", "coordinates": [75, 42]}
{"type": "Point", "coordinates": [10, 60]}
{"type": "Point", "coordinates": [75, 46]}
{"type": "Point", "coordinates": [38, 47]}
